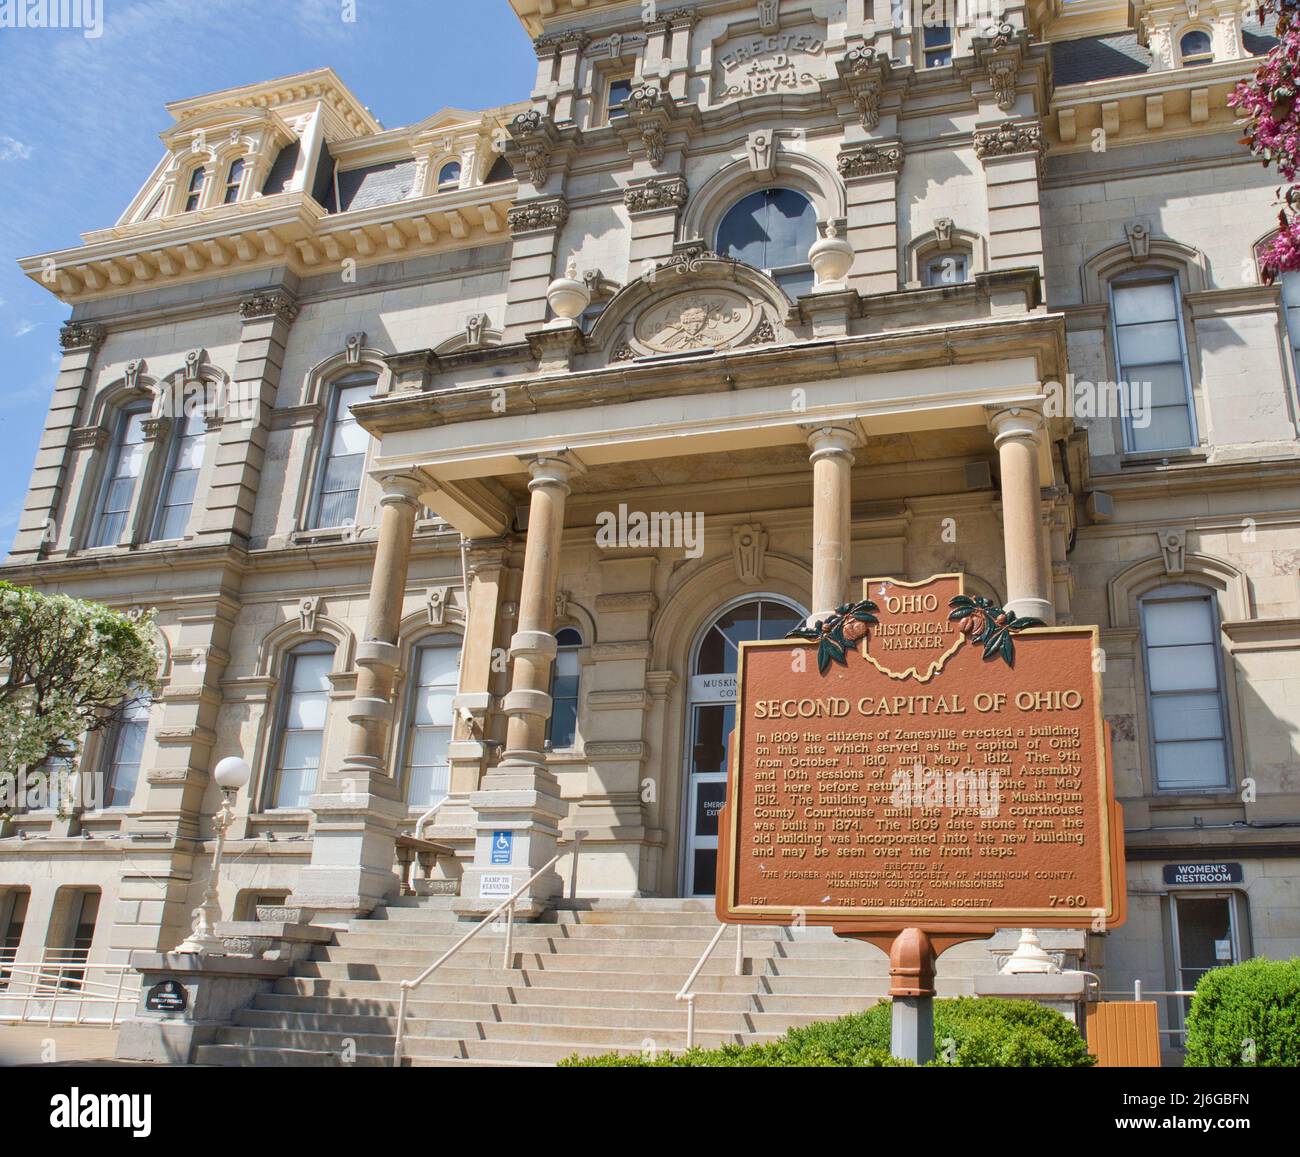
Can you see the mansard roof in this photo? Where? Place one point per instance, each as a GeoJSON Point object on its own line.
{"type": "Point", "coordinates": [1117, 54]}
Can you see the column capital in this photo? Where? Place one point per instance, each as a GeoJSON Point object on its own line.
{"type": "Point", "coordinates": [1015, 422]}
{"type": "Point", "coordinates": [554, 468]}
{"type": "Point", "coordinates": [829, 441]}
{"type": "Point", "coordinates": [403, 489]}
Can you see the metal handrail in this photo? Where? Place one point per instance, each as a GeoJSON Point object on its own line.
{"type": "Point", "coordinates": [508, 907]}
{"type": "Point", "coordinates": [687, 995]}
{"type": "Point", "coordinates": [47, 982]}
{"type": "Point", "coordinates": [1138, 991]}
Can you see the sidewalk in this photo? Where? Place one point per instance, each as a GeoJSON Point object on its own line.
{"type": "Point", "coordinates": [30, 1044]}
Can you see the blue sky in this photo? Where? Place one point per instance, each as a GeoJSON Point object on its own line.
{"type": "Point", "coordinates": [80, 118]}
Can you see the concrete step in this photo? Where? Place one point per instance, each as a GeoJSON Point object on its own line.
{"type": "Point", "coordinates": [315, 974]}
{"type": "Point", "coordinates": [426, 1003]}
{"type": "Point", "coordinates": [400, 932]}
{"type": "Point", "coordinates": [243, 1056]}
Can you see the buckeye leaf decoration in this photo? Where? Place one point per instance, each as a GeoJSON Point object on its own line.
{"type": "Point", "coordinates": [983, 621]}
{"type": "Point", "coordinates": [839, 634]}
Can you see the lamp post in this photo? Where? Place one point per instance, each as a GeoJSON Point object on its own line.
{"type": "Point", "coordinates": [231, 774]}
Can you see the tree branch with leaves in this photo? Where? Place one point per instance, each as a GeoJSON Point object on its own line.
{"type": "Point", "coordinates": [1270, 102]}
{"type": "Point", "coordinates": [68, 667]}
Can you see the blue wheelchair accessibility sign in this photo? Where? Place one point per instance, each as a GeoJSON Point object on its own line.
{"type": "Point", "coordinates": [503, 847]}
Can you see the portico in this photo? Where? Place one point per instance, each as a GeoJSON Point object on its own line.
{"type": "Point", "coordinates": [531, 461]}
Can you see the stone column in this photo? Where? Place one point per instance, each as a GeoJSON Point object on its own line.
{"type": "Point", "coordinates": [56, 456]}
{"type": "Point", "coordinates": [1012, 155]}
{"type": "Point", "coordinates": [358, 809]}
{"type": "Point", "coordinates": [1017, 435]}
{"type": "Point", "coordinates": [832, 460]}
{"type": "Point", "coordinates": [521, 795]}
{"type": "Point", "coordinates": [245, 431]}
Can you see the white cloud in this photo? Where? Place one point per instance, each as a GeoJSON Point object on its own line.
{"type": "Point", "coordinates": [24, 328]}
{"type": "Point", "coordinates": [12, 150]}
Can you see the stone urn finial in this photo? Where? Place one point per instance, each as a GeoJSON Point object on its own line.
{"type": "Point", "coordinates": [831, 258]}
{"type": "Point", "coordinates": [568, 296]}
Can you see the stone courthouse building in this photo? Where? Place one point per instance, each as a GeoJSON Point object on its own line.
{"type": "Point", "coordinates": [456, 458]}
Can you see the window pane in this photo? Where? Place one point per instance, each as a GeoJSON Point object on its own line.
{"type": "Point", "coordinates": [1157, 386]}
{"type": "Point", "coordinates": [1141, 303]}
{"type": "Point", "coordinates": [1151, 344]}
{"type": "Point", "coordinates": [429, 746]}
{"type": "Point", "coordinates": [564, 723]}
{"type": "Point", "coordinates": [1291, 288]}
{"type": "Point", "coordinates": [307, 710]}
{"type": "Point", "coordinates": [770, 230]}
{"type": "Point", "coordinates": [1170, 428]}
{"type": "Point", "coordinates": [427, 784]}
{"type": "Point", "coordinates": [1183, 668]}
{"type": "Point", "coordinates": [311, 672]}
{"type": "Point", "coordinates": [1186, 717]}
{"type": "Point", "coordinates": [1184, 621]}
{"type": "Point", "coordinates": [296, 787]}
{"type": "Point", "coordinates": [433, 705]}
{"type": "Point", "coordinates": [1191, 765]}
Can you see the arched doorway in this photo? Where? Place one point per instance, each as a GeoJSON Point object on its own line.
{"type": "Point", "coordinates": [710, 716]}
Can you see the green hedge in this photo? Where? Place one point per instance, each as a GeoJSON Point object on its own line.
{"type": "Point", "coordinates": [1246, 1015]}
{"type": "Point", "coordinates": [969, 1033]}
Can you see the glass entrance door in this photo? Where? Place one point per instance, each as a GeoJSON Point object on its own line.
{"type": "Point", "coordinates": [711, 715]}
{"type": "Point", "coordinates": [1208, 934]}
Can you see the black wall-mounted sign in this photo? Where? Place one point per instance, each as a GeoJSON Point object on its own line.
{"type": "Point", "coordinates": [167, 996]}
{"type": "Point", "coordinates": [1180, 875]}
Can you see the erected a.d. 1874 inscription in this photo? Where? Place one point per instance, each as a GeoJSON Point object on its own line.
{"type": "Point", "coordinates": [926, 761]}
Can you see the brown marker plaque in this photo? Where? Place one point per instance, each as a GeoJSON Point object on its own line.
{"type": "Point", "coordinates": [921, 785]}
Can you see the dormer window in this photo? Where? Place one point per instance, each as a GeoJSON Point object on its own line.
{"type": "Point", "coordinates": [195, 196]}
{"type": "Point", "coordinates": [936, 43]}
{"type": "Point", "coordinates": [1195, 47]}
{"type": "Point", "coordinates": [449, 176]}
{"type": "Point", "coordinates": [234, 179]}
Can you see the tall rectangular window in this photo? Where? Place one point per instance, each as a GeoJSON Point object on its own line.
{"type": "Point", "coordinates": [1291, 303]}
{"type": "Point", "coordinates": [427, 765]}
{"type": "Point", "coordinates": [937, 45]}
{"type": "Point", "coordinates": [177, 501]}
{"type": "Point", "coordinates": [124, 754]}
{"type": "Point", "coordinates": [562, 727]}
{"type": "Point", "coordinates": [1180, 633]}
{"type": "Point", "coordinates": [344, 456]}
{"type": "Point", "coordinates": [616, 102]}
{"type": "Point", "coordinates": [123, 475]}
{"type": "Point", "coordinates": [1151, 353]}
{"type": "Point", "coordinates": [302, 730]}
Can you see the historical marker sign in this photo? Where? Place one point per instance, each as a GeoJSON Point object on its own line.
{"type": "Point", "coordinates": [929, 762]}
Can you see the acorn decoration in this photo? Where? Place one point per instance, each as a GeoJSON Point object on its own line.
{"type": "Point", "coordinates": [983, 621]}
{"type": "Point", "coordinates": [839, 633]}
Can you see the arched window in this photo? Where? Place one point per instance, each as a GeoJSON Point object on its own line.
{"type": "Point", "coordinates": [300, 735]}
{"type": "Point", "coordinates": [124, 752]}
{"type": "Point", "coordinates": [343, 455]}
{"type": "Point", "coordinates": [427, 770]}
{"type": "Point", "coordinates": [234, 178]}
{"type": "Point", "coordinates": [121, 476]}
{"type": "Point", "coordinates": [176, 501]}
{"type": "Point", "coordinates": [773, 230]}
{"type": "Point", "coordinates": [1151, 356]}
{"type": "Point", "coordinates": [195, 196]}
{"type": "Point", "coordinates": [1196, 47]}
{"type": "Point", "coordinates": [1185, 688]}
{"type": "Point", "coordinates": [711, 715]}
{"type": "Point", "coordinates": [562, 727]}
{"type": "Point", "coordinates": [449, 176]}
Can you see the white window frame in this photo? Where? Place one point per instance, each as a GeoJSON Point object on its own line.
{"type": "Point", "coordinates": [109, 762]}
{"type": "Point", "coordinates": [333, 393]}
{"type": "Point", "coordinates": [1164, 276]}
{"type": "Point", "coordinates": [442, 641]}
{"type": "Point", "coordinates": [275, 749]}
{"type": "Point", "coordinates": [178, 437]}
{"type": "Point", "coordinates": [111, 465]}
{"type": "Point", "coordinates": [1185, 592]}
{"type": "Point", "coordinates": [237, 186]}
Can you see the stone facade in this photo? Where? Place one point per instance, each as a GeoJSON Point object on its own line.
{"type": "Point", "coordinates": [890, 421]}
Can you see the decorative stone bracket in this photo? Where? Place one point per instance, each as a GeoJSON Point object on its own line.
{"type": "Point", "coordinates": [534, 140]}
{"type": "Point", "coordinates": [1009, 139]}
{"type": "Point", "coordinates": [865, 76]}
{"type": "Point", "coordinates": [871, 161]}
{"type": "Point", "coordinates": [652, 114]}
{"type": "Point", "coordinates": [999, 54]}
{"type": "Point", "coordinates": [656, 195]}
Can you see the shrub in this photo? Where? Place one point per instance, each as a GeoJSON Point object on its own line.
{"type": "Point", "coordinates": [968, 1033]}
{"type": "Point", "coordinates": [1246, 1015]}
